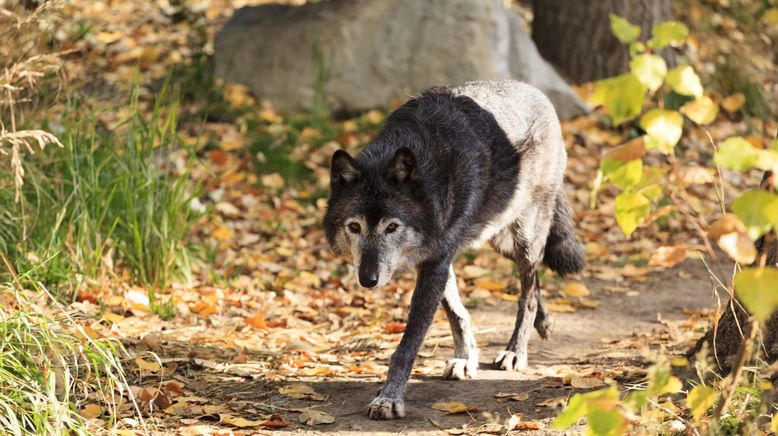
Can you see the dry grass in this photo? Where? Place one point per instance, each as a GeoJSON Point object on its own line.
{"type": "Point", "coordinates": [24, 64]}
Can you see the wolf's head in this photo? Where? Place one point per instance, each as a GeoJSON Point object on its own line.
{"type": "Point", "coordinates": [375, 215]}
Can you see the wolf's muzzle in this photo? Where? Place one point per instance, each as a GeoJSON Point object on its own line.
{"type": "Point", "coordinates": [368, 269]}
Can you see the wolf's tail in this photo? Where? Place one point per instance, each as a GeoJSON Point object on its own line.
{"type": "Point", "coordinates": [564, 254]}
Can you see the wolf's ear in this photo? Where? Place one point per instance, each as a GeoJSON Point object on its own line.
{"type": "Point", "coordinates": [343, 169]}
{"type": "Point", "coordinates": [403, 167]}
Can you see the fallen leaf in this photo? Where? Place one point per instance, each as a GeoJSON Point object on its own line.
{"type": "Point", "coordinates": [315, 417]}
{"type": "Point", "coordinates": [237, 421]}
{"type": "Point", "coordinates": [629, 151]}
{"type": "Point", "coordinates": [474, 271]}
{"type": "Point", "coordinates": [667, 256]}
{"type": "Point", "coordinates": [395, 327]}
{"type": "Point", "coordinates": [734, 102]}
{"type": "Point", "coordinates": [512, 396]}
{"type": "Point", "coordinates": [273, 181]}
{"type": "Point", "coordinates": [91, 411]}
{"type": "Point", "coordinates": [585, 382]}
{"type": "Point", "coordinates": [301, 392]}
{"type": "Point", "coordinates": [202, 308]}
{"type": "Point", "coordinates": [491, 285]}
{"type": "Point", "coordinates": [222, 233]}
{"type": "Point", "coordinates": [556, 402]}
{"type": "Point", "coordinates": [257, 321]}
{"type": "Point", "coordinates": [738, 246]}
{"type": "Point", "coordinates": [575, 290]}
{"type": "Point", "coordinates": [454, 407]}
{"type": "Point", "coordinates": [560, 308]}
{"type": "Point", "coordinates": [147, 366]}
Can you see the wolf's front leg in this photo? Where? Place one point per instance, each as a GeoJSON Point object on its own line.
{"type": "Point", "coordinates": [464, 364]}
{"type": "Point", "coordinates": [430, 285]}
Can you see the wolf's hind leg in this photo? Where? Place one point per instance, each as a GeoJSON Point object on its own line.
{"type": "Point", "coordinates": [464, 364]}
{"type": "Point", "coordinates": [542, 318]}
{"type": "Point", "coordinates": [514, 358]}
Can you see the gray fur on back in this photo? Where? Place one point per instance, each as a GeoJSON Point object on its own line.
{"type": "Point", "coordinates": [523, 113]}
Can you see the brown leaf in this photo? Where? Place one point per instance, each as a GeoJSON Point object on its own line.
{"type": "Point", "coordinates": [91, 411]}
{"type": "Point", "coordinates": [315, 417]}
{"type": "Point", "coordinates": [512, 396]}
{"type": "Point", "coordinates": [454, 407]}
{"type": "Point", "coordinates": [728, 223]}
{"type": "Point", "coordinates": [585, 382]}
{"type": "Point", "coordinates": [668, 256]}
{"type": "Point", "coordinates": [628, 151]}
{"type": "Point", "coordinates": [395, 327]}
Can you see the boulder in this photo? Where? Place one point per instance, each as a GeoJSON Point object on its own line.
{"type": "Point", "coordinates": [355, 55]}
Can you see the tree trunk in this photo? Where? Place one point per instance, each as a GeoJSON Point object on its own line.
{"type": "Point", "coordinates": [576, 36]}
{"type": "Point", "coordinates": [725, 337]}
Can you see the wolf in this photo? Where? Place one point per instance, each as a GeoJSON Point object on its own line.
{"type": "Point", "coordinates": [450, 170]}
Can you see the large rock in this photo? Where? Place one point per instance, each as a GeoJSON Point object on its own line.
{"type": "Point", "coordinates": [362, 54]}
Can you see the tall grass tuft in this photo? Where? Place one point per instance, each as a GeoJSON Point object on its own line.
{"type": "Point", "coordinates": [50, 368]}
{"type": "Point", "coordinates": [107, 200]}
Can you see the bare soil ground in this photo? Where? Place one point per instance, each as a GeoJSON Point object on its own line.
{"type": "Point", "coordinates": [613, 342]}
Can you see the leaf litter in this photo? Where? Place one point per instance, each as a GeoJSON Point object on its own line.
{"type": "Point", "coordinates": [274, 305]}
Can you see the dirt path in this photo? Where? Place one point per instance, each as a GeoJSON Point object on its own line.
{"type": "Point", "coordinates": [610, 342]}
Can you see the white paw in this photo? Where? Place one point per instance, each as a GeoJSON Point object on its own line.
{"type": "Point", "coordinates": [460, 369]}
{"type": "Point", "coordinates": [386, 408]}
{"type": "Point", "coordinates": [510, 361]}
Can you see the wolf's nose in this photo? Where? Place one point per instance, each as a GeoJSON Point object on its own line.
{"type": "Point", "coordinates": [368, 280]}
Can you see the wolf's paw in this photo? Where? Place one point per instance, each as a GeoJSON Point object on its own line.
{"type": "Point", "coordinates": [386, 408]}
{"type": "Point", "coordinates": [509, 361]}
{"type": "Point", "coordinates": [460, 369]}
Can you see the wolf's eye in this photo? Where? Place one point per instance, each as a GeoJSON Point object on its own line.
{"type": "Point", "coordinates": [391, 228]}
{"type": "Point", "coordinates": [354, 228]}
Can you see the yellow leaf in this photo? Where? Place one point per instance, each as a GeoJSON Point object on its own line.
{"type": "Point", "coordinates": [145, 365]}
{"type": "Point", "coordinates": [770, 18]}
{"type": "Point", "coordinates": [702, 111]}
{"type": "Point", "coordinates": [685, 81]}
{"type": "Point", "coordinates": [112, 317]}
{"type": "Point", "coordinates": [560, 308]}
{"type": "Point", "coordinates": [575, 290]}
{"type": "Point", "coordinates": [454, 407]}
{"type": "Point", "coordinates": [774, 424]}
{"type": "Point", "coordinates": [664, 129]}
{"type": "Point", "coordinates": [237, 421]}
{"type": "Point", "coordinates": [222, 233]}
{"type": "Point", "coordinates": [490, 285]}
{"type": "Point", "coordinates": [700, 399]}
{"type": "Point", "coordinates": [301, 392]}
{"type": "Point", "coordinates": [734, 102]}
